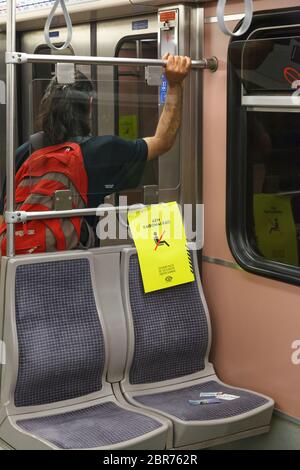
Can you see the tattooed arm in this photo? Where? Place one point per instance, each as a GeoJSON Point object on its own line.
{"type": "Point", "coordinates": [176, 70]}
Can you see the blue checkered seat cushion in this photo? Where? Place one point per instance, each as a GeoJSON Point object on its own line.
{"type": "Point", "coordinates": [170, 330]}
{"type": "Point", "coordinates": [102, 425]}
{"type": "Point", "coordinates": [171, 341]}
{"type": "Point", "coordinates": [176, 402]}
{"type": "Point", "coordinates": [60, 339]}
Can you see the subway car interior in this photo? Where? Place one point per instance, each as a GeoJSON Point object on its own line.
{"type": "Point", "coordinates": [150, 225]}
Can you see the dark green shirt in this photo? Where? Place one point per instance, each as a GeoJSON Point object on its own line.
{"type": "Point", "coordinates": [111, 163]}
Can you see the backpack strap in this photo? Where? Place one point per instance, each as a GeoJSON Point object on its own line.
{"type": "Point", "coordinates": [37, 141]}
{"type": "Point", "coordinates": [80, 140]}
{"type": "Point", "coordinates": [87, 236]}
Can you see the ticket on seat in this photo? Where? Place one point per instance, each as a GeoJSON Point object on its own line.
{"type": "Point", "coordinates": [207, 401]}
{"type": "Point", "coordinates": [227, 396]}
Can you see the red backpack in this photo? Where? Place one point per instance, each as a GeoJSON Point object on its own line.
{"type": "Point", "coordinates": [50, 169]}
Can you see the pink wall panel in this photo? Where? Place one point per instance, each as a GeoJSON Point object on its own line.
{"type": "Point", "coordinates": [236, 6]}
{"type": "Point", "coordinates": [255, 320]}
{"type": "Point", "coordinates": [214, 146]}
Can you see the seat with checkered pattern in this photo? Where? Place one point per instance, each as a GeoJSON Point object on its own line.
{"type": "Point", "coordinates": [55, 390]}
{"type": "Point", "coordinates": [169, 341]}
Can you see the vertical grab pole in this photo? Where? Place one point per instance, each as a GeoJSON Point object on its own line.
{"type": "Point", "coordinates": [10, 124]}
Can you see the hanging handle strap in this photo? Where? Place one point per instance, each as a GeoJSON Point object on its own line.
{"type": "Point", "coordinates": [246, 22]}
{"type": "Point", "coordinates": [68, 23]}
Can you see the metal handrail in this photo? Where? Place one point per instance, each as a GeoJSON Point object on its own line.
{"type": "Point", "coordinates": [17, 217]}
{"type": "Point", "coordinates": [10, 123]}
{"type": "Point", "coordinates": [23, 58]}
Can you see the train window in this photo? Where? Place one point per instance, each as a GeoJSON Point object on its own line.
{"type": "Point", "coordinates": [273, 185]}
{"type": "Point", "coordinates": [136, 104]}
{"type": "Point", "coordinates": [263, 185]}
{"type": "Point", "coordinates": [40, 71]}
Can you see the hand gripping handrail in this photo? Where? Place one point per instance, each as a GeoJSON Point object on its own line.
{"type": "Point", "coordinates": [68, 23]}
{"type": "Point", "coordinates": [246, 22]}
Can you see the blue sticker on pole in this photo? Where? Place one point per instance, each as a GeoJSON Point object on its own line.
{"type": "Point", "coordinates": [141, 24]}
{"type": "Point", "coordinates": [163, 90]}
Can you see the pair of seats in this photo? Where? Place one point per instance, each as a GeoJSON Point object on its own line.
{"type": "Point", "coordinates": [95, 363]}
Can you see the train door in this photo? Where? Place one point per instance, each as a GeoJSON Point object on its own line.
{"type": "Point", "coordinates": [36, 77]}
{"type": "Point", "coordinates": [130, 99]}
{"type": "Point", "coordinates": [137, 104]}
{"type": "Point", "coordinates": [127, 105]}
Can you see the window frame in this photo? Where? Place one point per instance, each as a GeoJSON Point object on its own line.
{"type": "Point", "coordinates": [46, 47]}
{"type": "Point", "coordinates": [236, 171]}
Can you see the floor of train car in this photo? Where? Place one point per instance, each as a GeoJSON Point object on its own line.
{"type": "Point", "coordinates": [284, 435]}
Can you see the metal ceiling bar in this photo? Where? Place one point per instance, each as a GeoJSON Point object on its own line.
{"type": "Point", "coordinates": [22, 58]}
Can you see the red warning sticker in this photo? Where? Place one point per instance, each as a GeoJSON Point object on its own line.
{"type": "Point", "coordinates": [167, 16]}
{"type": "Point", "coordinates": [291, 75]}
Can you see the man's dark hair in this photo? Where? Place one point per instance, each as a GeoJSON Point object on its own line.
{"type": "Point", "coordinates": [65, 109]}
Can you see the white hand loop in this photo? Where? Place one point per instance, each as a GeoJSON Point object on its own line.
{"type": "Point", "coordinates": [246, 23]}
{"type": "Point", "coordinates": [68, 23]}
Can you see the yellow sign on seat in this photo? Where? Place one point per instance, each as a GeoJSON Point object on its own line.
{"type": "Point", "coordinates": [159, 236]}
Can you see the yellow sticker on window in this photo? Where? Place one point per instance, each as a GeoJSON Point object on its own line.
{"type": "Point", "coordinates": [159, 236]}
{"type": "Point", "coordinates": [275, 228]}
{"type": "Point", "coordinates": [128, 127]}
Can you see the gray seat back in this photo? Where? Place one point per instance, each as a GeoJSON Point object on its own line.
{"type": "Point", "coordinates": [61, 350]}
{"type": "Point", "coordinates": [170, 335]}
